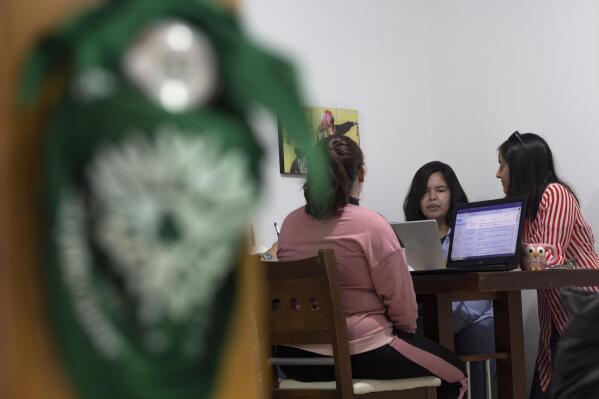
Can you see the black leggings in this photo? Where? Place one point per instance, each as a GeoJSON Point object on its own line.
{"type": "Point", "coordinates": [382, 363]}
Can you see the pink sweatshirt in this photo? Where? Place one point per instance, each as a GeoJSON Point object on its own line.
{"type": "Point", "coordinates": [376, 286]}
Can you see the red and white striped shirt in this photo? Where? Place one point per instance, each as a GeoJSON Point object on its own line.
{"type": "Point", "coordinates": [559, 222]}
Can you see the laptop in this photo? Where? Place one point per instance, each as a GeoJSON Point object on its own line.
{"type": "Point", "coordinates": [486, 235]}
{"type": "Point", "coordinates": [421, 241]}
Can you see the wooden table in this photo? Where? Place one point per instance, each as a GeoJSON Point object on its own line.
{"type": "Point", "coordinates": [437, 291]}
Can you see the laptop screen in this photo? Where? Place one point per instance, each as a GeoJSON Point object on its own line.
{"type": "Point", "coordinates": [489, 230]}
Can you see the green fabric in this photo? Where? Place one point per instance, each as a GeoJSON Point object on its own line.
{"type": "Point", "coordinates": [139, 198]}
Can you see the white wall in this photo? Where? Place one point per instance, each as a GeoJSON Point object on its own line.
{"type": "Point", "coordinates": [517, 65]}
{"type": "Point", "coordinates": [447, 80]}
{"type": "Point", "coordinates": [353, 55]}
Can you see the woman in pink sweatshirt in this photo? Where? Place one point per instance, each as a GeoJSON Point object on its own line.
{"type": "Point", "coordinates": [376, 286]}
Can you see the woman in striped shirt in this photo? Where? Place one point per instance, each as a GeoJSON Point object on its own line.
{"type": "Point", "coordinates": [553, 217]}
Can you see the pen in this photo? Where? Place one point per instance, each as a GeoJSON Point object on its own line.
{"type": "Point", "coordinates": [276, 229]}
{"type": "Point", "coordinates": [253, 238]}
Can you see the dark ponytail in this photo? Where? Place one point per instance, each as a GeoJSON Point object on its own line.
{"type": "Point", "coordinates": [344, 158]}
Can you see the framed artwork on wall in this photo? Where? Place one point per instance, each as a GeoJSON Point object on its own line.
{"type": "Point", "coordinates": [323, 122]}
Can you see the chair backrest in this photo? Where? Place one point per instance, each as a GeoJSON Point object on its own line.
{"type": "Point", "coordinates": [306, 308]}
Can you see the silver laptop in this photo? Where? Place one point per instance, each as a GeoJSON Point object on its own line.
{"type": "Point", "coordinates": [422, 243]}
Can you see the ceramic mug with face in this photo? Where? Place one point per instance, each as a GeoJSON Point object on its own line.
{"type": "Point", "coordinates": [533, 256]}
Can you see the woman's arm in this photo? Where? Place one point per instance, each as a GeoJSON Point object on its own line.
{"type": "Point", "coordinates": [389, 273]}
{"type": "Point", "coordinates": [393, 283]}
{"type": "Point", "coordinates": [555, 221]}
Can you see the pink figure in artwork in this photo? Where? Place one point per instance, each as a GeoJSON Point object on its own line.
{"type": "Point", "coordinates": [328, 128]}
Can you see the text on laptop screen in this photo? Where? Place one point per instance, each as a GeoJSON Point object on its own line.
{"type": "Point", "coordinates": [486, 231]}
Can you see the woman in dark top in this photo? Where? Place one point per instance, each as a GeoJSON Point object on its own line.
{"type": "Point", "coordinates": [434, 192]}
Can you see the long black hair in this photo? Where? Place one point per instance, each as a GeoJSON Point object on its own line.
{"type": "Point", "coordinates": [531, 169]}
{"type": "Point", "coordinates": [411, 205]}
{"type": "Point", "coordinates": [344, 158]}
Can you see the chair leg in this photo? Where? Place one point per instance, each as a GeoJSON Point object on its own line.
{"type": "Point", "coordinates": [431, 393]}
{"type": "Point", "coordinates": [488, 383]}
{"type": "Point", "coordinates": [275, 377]}
{"type": "Point", "coordinates": [469, 392]}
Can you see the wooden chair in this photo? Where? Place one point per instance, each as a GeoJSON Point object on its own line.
{"type": "Point", "coordinates": [305, 308]}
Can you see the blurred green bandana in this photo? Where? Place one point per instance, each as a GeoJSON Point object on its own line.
{"type": "Point", "coordinates": [152, 174]}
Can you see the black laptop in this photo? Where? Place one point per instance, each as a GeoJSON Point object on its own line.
{"type": "Point", "coordinates": [485, 237]}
